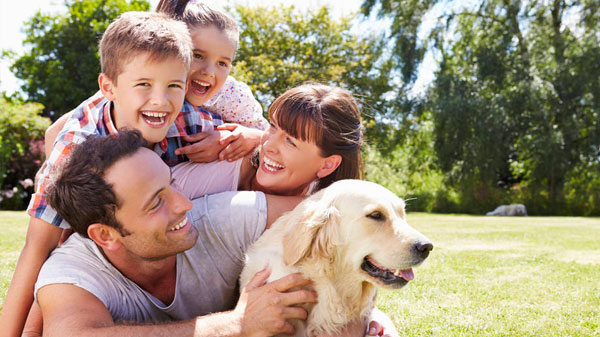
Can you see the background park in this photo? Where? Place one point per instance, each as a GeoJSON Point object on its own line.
{"type": "Point", "coordinates": [510, 114]}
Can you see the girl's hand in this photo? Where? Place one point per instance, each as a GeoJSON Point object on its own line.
{"type": "Point", "coordinates": [240, 142]}
{"type": "Point", "coordinates": [205, 147]}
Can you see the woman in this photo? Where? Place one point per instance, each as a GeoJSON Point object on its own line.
{"type": "Point", "coordinates": [314, 140]}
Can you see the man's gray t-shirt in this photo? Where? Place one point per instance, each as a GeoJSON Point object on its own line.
{"type": "Point", "coordinates": [228, 223]}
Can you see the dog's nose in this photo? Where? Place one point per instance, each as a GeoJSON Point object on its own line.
{"type": "Point", "coordinates": [422, 249]}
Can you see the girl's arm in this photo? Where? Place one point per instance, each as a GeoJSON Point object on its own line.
{"type": "Point", "coordinates": [41, 239]}
{"type": "Point", "coordinates": [240, 142]}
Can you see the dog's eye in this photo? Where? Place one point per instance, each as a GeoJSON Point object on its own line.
{"type": "Point", "coordinates": [376, 215]}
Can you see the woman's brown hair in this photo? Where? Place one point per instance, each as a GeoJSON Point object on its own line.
{"type": "Point", "coordinates": [328, 117]}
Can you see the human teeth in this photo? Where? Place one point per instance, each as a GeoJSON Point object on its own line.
{"type": "Point", "coordinates": [397, 272]}
{"type": "Point", "coordinates": [154, 114]}
{"type": "Point", "coordinates": [202, 83]}
{"type": "Point", "coordinates": [272, 163]}
{"type": "Point", "coordinates": [179, 225]}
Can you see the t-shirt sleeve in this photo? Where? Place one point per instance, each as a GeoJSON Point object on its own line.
{"type": "Point", "coordinates": [199, 179]}
{"type": "Point", "coordinates": [69, 265]}
{"type": "Point", "coordinates": [228, 223]}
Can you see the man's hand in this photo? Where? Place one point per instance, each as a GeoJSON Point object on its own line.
{"type": "Point", "coordinates": [264, 308]}
{"type": "Point", "coordinates": [205, 147]}
{"type": "Point", "coordinates": [240, 142]}
{"type": "Point", "coordinates": [376, 329]}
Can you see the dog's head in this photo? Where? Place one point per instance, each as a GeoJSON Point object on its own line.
{"type": "Point", "coordinates": [358, 228]}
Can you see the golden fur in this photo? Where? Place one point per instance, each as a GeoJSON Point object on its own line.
{"type": "Point", "coordinates": [327, 238]}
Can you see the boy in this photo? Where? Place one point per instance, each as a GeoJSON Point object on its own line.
{"type": "Point", "coordinates": [145, 59]}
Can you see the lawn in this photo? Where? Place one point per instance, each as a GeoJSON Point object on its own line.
{"type": "Point", "coordinates": [487, 276]}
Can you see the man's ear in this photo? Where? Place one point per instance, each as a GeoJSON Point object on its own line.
{"type": "Point", "coordinates": [107, 86]}
{"type": "Point", "coordinates": [329, 165]}
{"type": "Point", "coordinates": [104, 236]}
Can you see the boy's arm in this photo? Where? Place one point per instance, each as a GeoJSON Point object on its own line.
{"type": "Point", "coordinates": [52, 132]}
{"type": "Point", "coordinates": [42, 236]}
{"type": "Point", "coordinates": [41, 239]}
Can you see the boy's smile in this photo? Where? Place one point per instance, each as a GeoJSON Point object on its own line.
{"type": "Point", "coordinates": [147, 95]}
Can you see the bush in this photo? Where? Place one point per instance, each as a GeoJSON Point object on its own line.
{"type": "Point", "coordinates": [21, 151]}
{"type": "Point", "coordinates": [409, 170]}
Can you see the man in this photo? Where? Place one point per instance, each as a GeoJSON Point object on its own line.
{"type": "Point", "coordinates": [145, 262]}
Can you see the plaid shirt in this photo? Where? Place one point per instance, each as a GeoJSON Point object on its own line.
{"type": "Point", "coordinates": [92, 117]}
{"type": "Point", "coordinates": [191, 120]}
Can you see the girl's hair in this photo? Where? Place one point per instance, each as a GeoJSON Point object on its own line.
{"type": "Point", "coordinates": [328, 117]}
{"type": "Point", "coordinates": [197, 14]}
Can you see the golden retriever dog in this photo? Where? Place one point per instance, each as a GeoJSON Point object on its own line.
{"type": "Point", "coordinates": [349, 239]}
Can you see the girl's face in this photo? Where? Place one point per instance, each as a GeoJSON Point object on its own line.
{"type": "Point", "coordinates": [213, 54]}
{"type": "Point", "coordinates": [288, 165]}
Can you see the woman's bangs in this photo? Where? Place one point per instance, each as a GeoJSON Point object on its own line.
{"type": "Point", "coordinates": [298, 122]}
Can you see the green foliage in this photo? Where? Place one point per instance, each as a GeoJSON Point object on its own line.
{"type": "Point", "coordinates": [516, 100]}
{"type": "Point", "coordinates": [21, 150]}
{"type": "Point", "coordinates": [409, 169]}
{"type": "Point", "coordinates": [61, 68]}
{"type": "Point", "coordinates": [281, 47]}
{"type": "Point", "coordinates": [407, 16]}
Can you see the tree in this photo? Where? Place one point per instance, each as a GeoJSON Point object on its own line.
{"type": "Point", "coordinates": [515, 102]}
{"type": "Point", "coordinates": [61, 68]}
{"type": "Point", "coordinates": [281, 47]}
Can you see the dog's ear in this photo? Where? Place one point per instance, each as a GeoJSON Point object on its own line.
{"type": "Point", "coordinates": [312, 236]}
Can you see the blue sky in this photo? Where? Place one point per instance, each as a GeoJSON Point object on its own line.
{"type": "Point", "coordinates": [13, 14]}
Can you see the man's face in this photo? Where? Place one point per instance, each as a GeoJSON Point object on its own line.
{"type": "Point", "coordinates": [148, 95]}
{"type": "Point", "coordinates": [152, 210]}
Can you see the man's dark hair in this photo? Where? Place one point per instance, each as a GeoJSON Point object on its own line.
{"type": "Point", "coordinates": [80, 194]}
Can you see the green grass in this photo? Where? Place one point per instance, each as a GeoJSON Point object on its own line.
{"type": "Point", "coordinates": [499, 276]}
{"type": "Point", "coordinates": [487, 276]}
{"type": "Point", "coordinates": [13, 226]}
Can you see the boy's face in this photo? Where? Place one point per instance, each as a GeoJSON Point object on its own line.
{"type": "Point", "coordinates": [213, 54]}
{"type": "Point", "coordinates": [148, 95]}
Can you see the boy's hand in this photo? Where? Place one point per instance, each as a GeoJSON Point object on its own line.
{"type": "Point", "coordinates": [240, 142]}
{"type": "Point", "coordinates": [205, 147]}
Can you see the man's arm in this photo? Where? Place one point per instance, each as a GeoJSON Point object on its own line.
{"type": "Point", "coordinates": [262, 310]}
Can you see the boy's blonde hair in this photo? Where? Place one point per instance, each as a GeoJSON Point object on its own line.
{"type": "Point", "coordinates": [143, 32]}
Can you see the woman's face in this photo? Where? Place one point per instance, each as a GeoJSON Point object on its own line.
{"type": "Point", "coordinates": [288, 165]}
